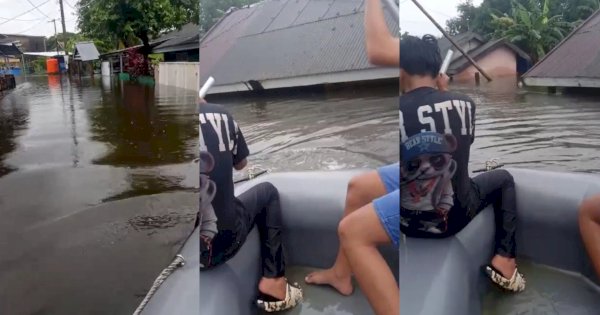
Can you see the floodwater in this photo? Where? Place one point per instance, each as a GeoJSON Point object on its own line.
{"type": "Point", "coordinates": [535, 130]}
{"type": "Point", "coordinates": [96, 193]}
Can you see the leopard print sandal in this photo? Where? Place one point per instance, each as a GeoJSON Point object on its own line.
{"type": "Point", "coordinates": [515, 284]}
{"type": "Point", "coordinates": [293, 297]}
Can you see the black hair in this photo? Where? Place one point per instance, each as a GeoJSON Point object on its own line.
{"type": "Point", "coordinates": [420, 56]}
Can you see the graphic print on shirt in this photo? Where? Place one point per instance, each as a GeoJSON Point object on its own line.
{"type": "Point", "coordinates": [426, 170]}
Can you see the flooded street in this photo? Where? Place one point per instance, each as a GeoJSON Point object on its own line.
{"type": "Point", "coordinates": [535, 130]}
{"type": "Point", "coordinates": [79, 233]}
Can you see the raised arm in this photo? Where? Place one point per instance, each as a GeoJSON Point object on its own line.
{"type": "Point", "coordinates": [383, 49]}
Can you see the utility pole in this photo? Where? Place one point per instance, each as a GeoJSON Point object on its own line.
{"type": "Point", "coordinates": [62, 19]}
{"type": "Point", "coordinates": [55, 37]}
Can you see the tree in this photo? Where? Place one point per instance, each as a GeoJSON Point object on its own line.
{"type": "Point", "coordinates": [133, 21]}
{"type": "Point", "coordinates": [212, 10]}
{"type": "Point", "coordinates": [531, 27]}
{"type": "Point", "coordinates": [464, 22]}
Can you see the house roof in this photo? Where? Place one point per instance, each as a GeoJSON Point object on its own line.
{"type": "Point", "coordinates": [86, 51]}
{"type": "Point", "coordinates": [461, 63]}
{"type": "Point", "coordinates": [9, 49]}
{"type": "Point", "coordinates": [461, 39]}
{"type": "Point", "coordinates": [283, 39]}
{"type": "Point", "coordinates": [188, 37]}
{"type": "Point", "coordinates": [577, 56]}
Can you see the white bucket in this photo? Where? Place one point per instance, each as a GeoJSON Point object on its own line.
{"type": "Point", "coordinates": [106, 69]}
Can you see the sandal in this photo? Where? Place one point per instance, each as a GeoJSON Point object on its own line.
{"type": "Point", "coordinates": [515, 284]}
{"type": "Point", "coordinates": [293, 297]}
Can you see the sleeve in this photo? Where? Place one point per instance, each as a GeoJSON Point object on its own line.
{"type": "Point", "coordinates": [240, 148]}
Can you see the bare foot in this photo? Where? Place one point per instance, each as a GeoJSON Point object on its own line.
{"type": "Point", "coordinates": [275, 287]}
{"type": "Point", "coordinates": [505, 265]}
{"type": "Point", "coordinates": [342, 284]}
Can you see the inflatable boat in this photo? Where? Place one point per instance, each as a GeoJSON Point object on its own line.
{"type": "Point", "coordinates": [441, 277]}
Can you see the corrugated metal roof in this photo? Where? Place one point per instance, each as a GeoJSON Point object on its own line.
{"type": "Point", "coordinates": [461, 40]}
{"type": "Point", "coordinates": [577, 56]}
{"type": "Point", "coordinates": [86, 51]}
{"type": "Point", "coordinates": [187, 37]}
{"type": "Point", "coordinates": [8, 49]}
{"type": "Point", "coordinates": [287, 38]}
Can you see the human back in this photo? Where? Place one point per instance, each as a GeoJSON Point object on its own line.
{"type": "Point", "coordinates": [221, 137]}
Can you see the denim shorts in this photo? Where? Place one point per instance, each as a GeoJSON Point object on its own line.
{"type": "Point", "coordinates": [388, 206]}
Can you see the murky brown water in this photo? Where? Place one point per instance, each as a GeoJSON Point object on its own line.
{"type": "Point", "coordinates": [72, 156]}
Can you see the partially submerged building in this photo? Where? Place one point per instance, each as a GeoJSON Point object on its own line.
{"type": "Point", "coordinates": [498, 57]}
{"type": "Point", "coordinates": [574, 62]}
{"type": "Point", "coordinates": [290, 43]}
{"type": "Point", "coordinates": [83, 57]}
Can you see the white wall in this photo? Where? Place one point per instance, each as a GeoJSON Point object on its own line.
{"type": "Point", "coordinates": [178, 74]}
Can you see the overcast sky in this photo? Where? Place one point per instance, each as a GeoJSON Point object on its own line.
{"type": "Point", "coordinates": [412, 20]}
{"type": "Point", "coordinates": [35, 22]}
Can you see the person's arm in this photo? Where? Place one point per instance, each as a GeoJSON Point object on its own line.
{"type": "Point", "coordinates": [240, 150]}
{"type": "Point", "coordinates": [383, 49]}
{"type": "Point", "coordinates": [442, 82]}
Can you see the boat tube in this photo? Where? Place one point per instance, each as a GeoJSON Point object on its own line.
{"type": "Point", "coordinates": [441, 277]}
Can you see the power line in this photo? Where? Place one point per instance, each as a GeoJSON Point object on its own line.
{"type": "Point", "coordinates": [22, 20]}
{"type": "Point", "coordinates": [14, 17]}
{"type": "Point", "coordinates": [67, 2]}
{"type": "Point", "coordinates": [38, 9]}
{"type": "Point", "coordinates": [29, 29]}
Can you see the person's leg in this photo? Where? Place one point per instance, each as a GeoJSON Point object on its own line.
{"type": "Point", "coordinates": [362, 189]}
{"type": "Point", "coordinates": [589, 226]}
{"type": "Point", "coordinates": [360, 233]}
{"type": "Point", "coordinates": [261, 206]}
{"type": "Point", "coordinates": [497, 187]}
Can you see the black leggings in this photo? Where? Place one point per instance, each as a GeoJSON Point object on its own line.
{"type": "Point", "coordinates": [496, 188]}
{"type": "Point", "coordinates": [259, 205]}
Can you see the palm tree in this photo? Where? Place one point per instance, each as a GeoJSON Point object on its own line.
{"type": "Point", "coordinates": [589, 7]}
{"type": "Point", "coordinates": [531, 27]}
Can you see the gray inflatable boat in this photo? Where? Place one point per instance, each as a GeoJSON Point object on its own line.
{"type": "Point", "coordinates": [441, 277]}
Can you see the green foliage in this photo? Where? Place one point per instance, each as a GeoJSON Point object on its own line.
{"type": "Point", "coordinates": [536, 26]}
{"type": "Point", "coordinates": [532, 27]}
{"type": "Point", "coordinates": [130, 22]}
{"type": "Point", "coordinates": [212, 10]}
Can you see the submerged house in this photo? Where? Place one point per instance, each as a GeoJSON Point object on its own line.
{"type": "Point", "coordinates": [179, 45]}
{"type": "Point", "coordinates": [574, 62]}
{"type": "Point", "coordinates": [290, 43]}
{"type": "Point", "coordinates": [498, 57]}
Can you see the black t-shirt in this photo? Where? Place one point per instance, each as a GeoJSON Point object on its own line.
{"type": "Point", "coordinates": [436, 130]}
{"type": "Point", "coordinates": [221, 136]}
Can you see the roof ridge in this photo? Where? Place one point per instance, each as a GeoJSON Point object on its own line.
{"type": "Point", "coordinates": [575, 31]}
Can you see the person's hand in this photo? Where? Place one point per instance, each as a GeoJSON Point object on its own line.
{"type": "Point", "coordinates": [442, 82]}
{"type": "Point", "coordinates": [201, 101]}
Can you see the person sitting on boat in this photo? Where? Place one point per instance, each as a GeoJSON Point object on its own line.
{"type": "Point", "coordinates": [589, 227]}
{"type": "Point", "coordinates": [427, 110]}
{"type": "Point", "coordinates": [372, 207]}
{"type": "Point", "coordinates": [222, 145]}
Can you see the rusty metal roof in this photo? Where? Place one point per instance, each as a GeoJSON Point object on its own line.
{"type": "Point", "coordinates": [577, 56]}
{"type": "Point", "coordinates": [285, 39]}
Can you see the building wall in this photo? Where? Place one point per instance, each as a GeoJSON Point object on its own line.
{"type": "Point", "coordinates": [501, 62]}
{"type": "Point", "coordinates": [178, 74]}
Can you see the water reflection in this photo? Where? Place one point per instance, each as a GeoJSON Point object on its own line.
{"type": "Point", "coordinates": [14, 118]}
{"type": "Point", "coordinates": [74, 154]}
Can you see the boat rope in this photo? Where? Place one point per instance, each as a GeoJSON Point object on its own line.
{"type": "Point", "coordinates": [178, 262]}
{"type": "Point", "coordinates": [490, 165]}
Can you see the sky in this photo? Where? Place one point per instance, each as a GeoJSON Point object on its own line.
{"type": "Point", "coordinates": [35, 22]}
{"type": "Point", "coordinates": [413, 21]}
